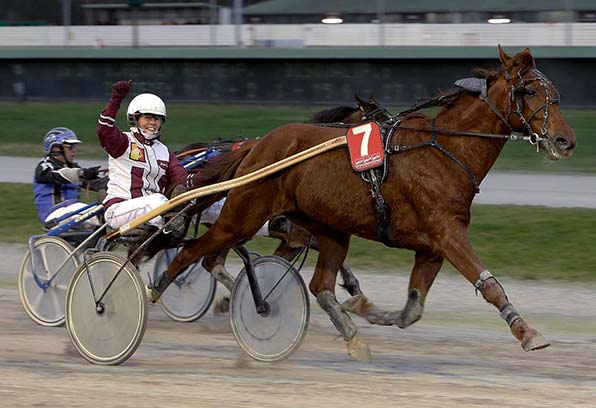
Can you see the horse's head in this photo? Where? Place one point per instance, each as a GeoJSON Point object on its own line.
{"type": "Point", "coordinates": [371, 110]}
{"type": "Point", "coordinates": [533, 105]}
{"type": "Point", "coordinates": [365, 110]}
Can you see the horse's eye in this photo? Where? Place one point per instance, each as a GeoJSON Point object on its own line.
{"type": "Point", "coordinates": [531, 92]}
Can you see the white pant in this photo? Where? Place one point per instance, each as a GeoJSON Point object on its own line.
{"type": "Point", "coordinates": [211, 214]}
{"type": "Point", "coordinates": [125, 211]}
{"type": "Point", "coordinates": [90, 223]}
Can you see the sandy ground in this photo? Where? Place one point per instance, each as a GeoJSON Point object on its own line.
{"type": "Point", "coordinates": [459, 354]}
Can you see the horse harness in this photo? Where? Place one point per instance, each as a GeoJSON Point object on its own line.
{"type": "Point", "coordinates": [376, 176]}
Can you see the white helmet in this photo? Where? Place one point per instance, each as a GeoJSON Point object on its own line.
{"type": "Point", "coordinates": [145, 103]}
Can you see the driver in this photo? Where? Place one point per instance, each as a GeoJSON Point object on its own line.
{"type": "Point", "coordinates": [58, 178]}
{"type": "Point", "coordinates": [142, 168]}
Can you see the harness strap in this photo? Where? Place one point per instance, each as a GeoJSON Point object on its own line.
{"type": "Point", "coordinates": [495, 110]}
{"type": "Point", "coordinates": [382, 213]}
{"type": "Point", "coordinates": [452, 157]}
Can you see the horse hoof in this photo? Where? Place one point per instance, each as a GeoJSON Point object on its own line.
{"type": "Point", "coordinates": [151, 295]}
{"type": "Point", "coordinates": [405, 320]}
{"type": "Point", "coordinates": [358, 349]}
{"type": "Point", "coordinates": [535, 342]}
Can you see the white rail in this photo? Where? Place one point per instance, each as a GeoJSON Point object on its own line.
{"type": "Point", "coordinates": [306, 35]}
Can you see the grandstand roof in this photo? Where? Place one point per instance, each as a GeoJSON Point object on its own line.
{"type": "Point", "coordinates": [276, 7]}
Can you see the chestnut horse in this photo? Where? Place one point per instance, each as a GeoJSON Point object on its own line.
{"type": "Point", "coordinates": [433, 167]}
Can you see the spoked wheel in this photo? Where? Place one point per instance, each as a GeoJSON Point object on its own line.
{"type": "Point", "coordinates": [43, 280]}
{"type": "Point", "coordinates": [189, 297]}
{"type": "Point", "coordinates": [107, 333]}
{"type": "Point", "coordinates": [275, 335]}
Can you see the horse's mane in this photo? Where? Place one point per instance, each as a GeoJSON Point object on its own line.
{"type": "Point", "coordinates": [332, 115]}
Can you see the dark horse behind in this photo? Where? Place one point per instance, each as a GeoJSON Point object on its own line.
{"type": "Point", "coordinates": [433, 168]}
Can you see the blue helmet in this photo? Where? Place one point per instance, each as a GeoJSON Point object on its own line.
{"type": "Point", "coordinates": [58, 136]}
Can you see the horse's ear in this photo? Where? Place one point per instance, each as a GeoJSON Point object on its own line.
{"type": "Point", "coordinates": [503, 56]}
{"type": "Point", "coordinates": [359, 100]}
{"type": "Point", "coordinates": [526, 58]}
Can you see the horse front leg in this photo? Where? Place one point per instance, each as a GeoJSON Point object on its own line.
{"type": "Point", "coordinates": [452, 241]}
{"type": "Point", "coordinates": [332, 252]}
{"type": "Point", "coordinates": [426, 268]}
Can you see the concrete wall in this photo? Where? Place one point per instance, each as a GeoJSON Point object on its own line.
{"type": "Point", "coordinates": [305, 35]}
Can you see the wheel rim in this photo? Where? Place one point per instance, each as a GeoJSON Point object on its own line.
{"type": "Point", "coordinates": [112, 336]}
{"type": "Point", "coordinates": [45, 304]}
{"type": "Point", "coordinates": [275, 336]}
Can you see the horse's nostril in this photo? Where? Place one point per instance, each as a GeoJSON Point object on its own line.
{"type": "Point", "coordinates": [563, 143]}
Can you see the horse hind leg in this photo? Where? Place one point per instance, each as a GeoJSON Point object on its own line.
{"type": "Point", "coordinates": [350, 282]}
{"type": "Point", "coordinates": [426, 267]}
{"type": "Point", "coordinates": [215, 265]}
{"type": "Point", "coordinates": [332, 252]}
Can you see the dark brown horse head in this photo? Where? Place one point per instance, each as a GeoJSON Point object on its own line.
{"type": "Point", "coordinates": [371, 110]}
{"type": "Point", "coordinates": [365, 110]}
{"type": "Point", "coordinates": [534, 105]}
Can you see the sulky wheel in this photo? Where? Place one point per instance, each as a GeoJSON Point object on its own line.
{"type": "Point", "coordinates": [275, 335]}
{"type": "Point", "coordinates": [107, 333]}
{"type": "Point", "coordinates": [43, 280]}
{"type": "Point", "coordinates": [190, 295]}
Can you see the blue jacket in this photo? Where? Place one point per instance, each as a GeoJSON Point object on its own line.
{"type": "Point", "coordinates": [51, 189]}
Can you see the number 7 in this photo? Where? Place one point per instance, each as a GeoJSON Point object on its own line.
{"type": "Point", "coordinates": [366, 129]}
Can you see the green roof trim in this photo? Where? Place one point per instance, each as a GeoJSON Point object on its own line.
{"type": "Point", "coordinates": [286, 7]}
{"type": "Point", "coordinates": [352, 53]}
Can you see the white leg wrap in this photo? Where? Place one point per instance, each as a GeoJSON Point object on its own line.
{"type": "Point", "coordinates": [509, 314]}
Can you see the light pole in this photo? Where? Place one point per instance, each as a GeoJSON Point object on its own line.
{"type": "Point", "coordinates": [381, 19]}
{"type": "Point", "coordinates": [238, 22]}
{"type": "Point", "coordinates": [66, 21]}
{"type": "Point", "coordinates": [135, 5]}
{"type": "Point", "coordinates": [212, 22]}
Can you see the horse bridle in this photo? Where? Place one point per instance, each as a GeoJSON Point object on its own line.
{"type": "Point", "coordinates": [518, 91]}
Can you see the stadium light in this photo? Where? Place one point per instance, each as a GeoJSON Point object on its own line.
{"type": "Point", "coordinates": [332, 20]}
{"type": "Point", "coordinates": [499, 20]}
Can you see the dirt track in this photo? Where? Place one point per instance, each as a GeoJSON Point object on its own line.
{"type": "Point", "coordinates": [459, 354]}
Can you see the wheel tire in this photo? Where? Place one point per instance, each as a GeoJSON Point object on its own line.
{"type": "Point", "coordinates": [45, 306]}
{"type": "Point", "coordinates": [112, 336]}
{"type": "Point", "coordinates": [278, 334]}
